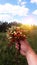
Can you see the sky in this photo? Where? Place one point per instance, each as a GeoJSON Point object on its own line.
{"type": "Point", "coordinates": [22, 11]}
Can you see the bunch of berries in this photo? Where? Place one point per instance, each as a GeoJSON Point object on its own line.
{"type": "Point", "coordinates": [15, 34]}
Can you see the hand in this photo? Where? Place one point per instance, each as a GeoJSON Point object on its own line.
{"type": "Point", "coordinates": [24, 46]}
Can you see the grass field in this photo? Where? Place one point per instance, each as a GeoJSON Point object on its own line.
{"type": "Point", "coordinates": [8, 54]}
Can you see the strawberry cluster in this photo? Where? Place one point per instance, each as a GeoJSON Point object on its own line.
{"type": "Point", "coordinates": [15, 34]}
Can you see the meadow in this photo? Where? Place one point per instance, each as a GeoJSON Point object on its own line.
{"type": "Point", "coordinates": [8, 53]}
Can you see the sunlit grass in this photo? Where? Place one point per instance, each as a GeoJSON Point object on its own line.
{"type": "Point", "coordinates": [7, 54]}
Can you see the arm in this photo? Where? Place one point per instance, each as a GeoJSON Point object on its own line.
{"type": "Point", "coordinates": [27, 51]}
{"type": "Point", "coordinates": [31, 57]}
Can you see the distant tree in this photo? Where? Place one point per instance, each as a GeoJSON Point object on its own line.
{"type": "Point", "coordinates": [3, 27]}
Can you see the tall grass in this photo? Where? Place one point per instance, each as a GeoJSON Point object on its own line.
{"type": "Point", "coordinates": [8, 54]}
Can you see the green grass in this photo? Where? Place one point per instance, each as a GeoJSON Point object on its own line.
{"type": "Point", "coordinates": [8, 54]}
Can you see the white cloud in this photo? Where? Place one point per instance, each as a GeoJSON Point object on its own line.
{"type": "Point", "coordinates": [29, 20]}
{"type": "Point", "coordinates": [5, 17]}
{"type": "Point", "coordinates": [34, 1]}
{"type": "Point", "coordinates": [34, 12]}
{"type": "Point", "coordinates": [19, 0]}
{"type": "Point", "coordinates": [8, 11]}
{"type": "Point", "coordinates": [23, 3]}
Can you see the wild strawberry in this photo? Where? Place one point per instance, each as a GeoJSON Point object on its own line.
{"type": "Point", "coordinates": [17, 28]}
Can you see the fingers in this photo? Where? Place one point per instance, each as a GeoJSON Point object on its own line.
{"type": "Point", "coordinates": [21, 51]}
{"type": "Point", "coordinates": [24, 46]}
{"type": "Point", "coordinates": [24, 42]}
{"type": "Point", "coordinates": [16, 46]}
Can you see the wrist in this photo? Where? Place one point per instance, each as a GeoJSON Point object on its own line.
{"type": "Point", "coordinates": [28, 51]}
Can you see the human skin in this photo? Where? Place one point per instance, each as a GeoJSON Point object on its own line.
{"type": "Point", "coordinates": [28, 52]}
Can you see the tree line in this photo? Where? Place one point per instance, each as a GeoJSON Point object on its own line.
{"type": "Point", "coordinates": [5, 25]}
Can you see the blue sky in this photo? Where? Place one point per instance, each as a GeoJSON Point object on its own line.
{"type": "Point", "coordinates": [23, 11]}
